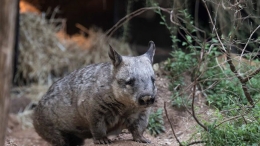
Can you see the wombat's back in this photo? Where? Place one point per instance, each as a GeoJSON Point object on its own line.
{"type": "Point", "coordinates": [89, 78]}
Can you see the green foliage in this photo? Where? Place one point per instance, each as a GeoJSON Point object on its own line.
{"type": "Point", "coordinates": [228, 90]}
{"type": "Point", "coordinates": [156, 124]}
{"type": "Point", "coordinates": [233, 134]}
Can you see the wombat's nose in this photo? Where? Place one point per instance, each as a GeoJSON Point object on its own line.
{"type": "Point", "coordinates": [146, 100]}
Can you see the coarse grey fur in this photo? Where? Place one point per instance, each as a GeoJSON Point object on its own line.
{"type": "Point", "coordinates": [99, 100]}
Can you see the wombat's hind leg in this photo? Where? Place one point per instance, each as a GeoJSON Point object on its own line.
{"type": "Point", "coordinates": [99, 130]}
{"type": "Point", "coordinates": [72, 140]}
{"type": "Point", "coordinates": [58, 138]}
{"type": "Point", "coordinates": [54, 137]}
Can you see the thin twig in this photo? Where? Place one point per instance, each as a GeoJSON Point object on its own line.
{"type": "Point", "coordinates": [214, 27]}
{"type": "Point", "coordinates": [194, 90]}
{"type": "Point", "coordinates": [251, 75]}
{"type": "Point", "coordinates": [196, 142]}
{"type": "Point", "coordinates": [82, 28]}
{"type": "Point", "coordinates": [171, 16]}
{"type": "Point", "coordinates": [248, 41]}
{"type": "Point", "coordinates": [130, 16]}
{"type": "Point", "coordinates": [229, 119]}
{"type": "Point", "coordinates": [164, 105]}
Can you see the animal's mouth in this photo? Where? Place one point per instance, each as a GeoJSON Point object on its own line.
{"type": "Point", "coordinates": [146, 100]}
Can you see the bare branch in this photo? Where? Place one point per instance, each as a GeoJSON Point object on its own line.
{"type": "Point", "coordinates": [192, 106]}
{"type": "Point", "coordinates": [248, 41]}
{"type": "Point", "coordinates": [171, 16]}
{"type": "Point", "coordinates": [171, 125]}
{"type": "Point", "coordinates": [242, 81]}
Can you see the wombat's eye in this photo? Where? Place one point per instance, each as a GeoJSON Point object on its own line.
{"type": "Point", "coordinates": [153, 79]}
{"type": "Point", "coordinates": [130, 82]}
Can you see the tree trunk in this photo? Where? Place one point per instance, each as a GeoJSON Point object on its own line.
{"type": "Point", "coordinates": [8, 12]}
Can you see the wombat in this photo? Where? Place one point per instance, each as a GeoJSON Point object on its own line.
{"type": "Point", "coordinates": [99, 100]}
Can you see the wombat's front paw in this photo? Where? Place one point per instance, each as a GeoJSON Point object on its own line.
{"type": "Point", "coordinates": [142, 140]}
{"type": "Point", "coordinates": [104, 140]}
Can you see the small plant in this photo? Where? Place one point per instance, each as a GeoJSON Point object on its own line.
{"type": "Point", "coordinates": [182, 62]}
{"type": "Point", "coordinates": [156, 123]}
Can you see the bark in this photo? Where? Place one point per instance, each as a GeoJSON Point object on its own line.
{"type": "Point", "coordinates": [8, 13]}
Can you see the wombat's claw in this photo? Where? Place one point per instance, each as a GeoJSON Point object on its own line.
{"type": "Point", "coordinates": [102, 141]}
{"type": "Point", "coordinates": [142, 140]}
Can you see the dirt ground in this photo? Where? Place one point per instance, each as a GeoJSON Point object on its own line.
{"type": "Point", "coordinates": [183, 123]}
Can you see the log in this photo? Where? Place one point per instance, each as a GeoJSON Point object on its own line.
{"type": "Point", "coordinates": [8, 13]}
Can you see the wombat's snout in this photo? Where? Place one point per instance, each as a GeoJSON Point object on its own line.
{"type": "Point", "coordinates": [146, 100]}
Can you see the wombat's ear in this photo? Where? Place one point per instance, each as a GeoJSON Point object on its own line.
{"type": "Point", "coordinates": [151, 51]}
{"type": "Point", "coordinates": [114, 56]}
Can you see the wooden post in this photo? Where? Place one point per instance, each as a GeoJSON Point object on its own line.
{"type": "Point", "coordinates": [8, 12]}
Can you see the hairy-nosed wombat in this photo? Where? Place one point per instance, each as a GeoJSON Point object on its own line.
{"type": "Point", "coordinates": [99, 100]}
